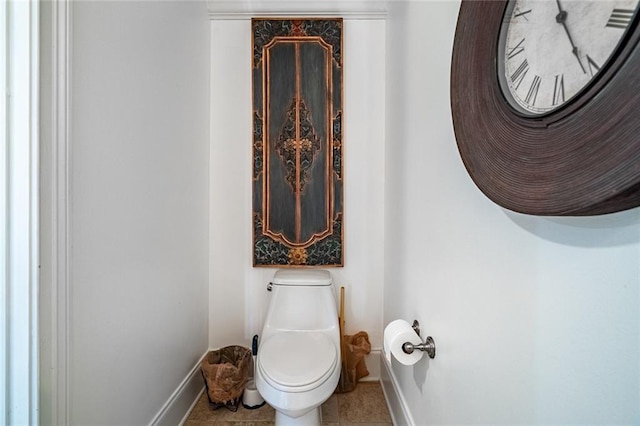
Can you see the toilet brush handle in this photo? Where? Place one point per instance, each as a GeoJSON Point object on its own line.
{"type": "Point", "coordinates": [254, 345]}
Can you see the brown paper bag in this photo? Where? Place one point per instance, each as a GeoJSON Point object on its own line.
{"type": "Point", "coordinates": [225, 373]}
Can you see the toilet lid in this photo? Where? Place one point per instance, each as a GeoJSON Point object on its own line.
{"type": "Point", "coordinates": [297, 358]}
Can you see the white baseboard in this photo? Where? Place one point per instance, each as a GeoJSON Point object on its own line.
{"type": "Point", "coordinates": [179, 405]}
{"type": "Point", "coordinates": [398, 407]}
{"type": "Point", "coordinates": [193, 404]}
{"type": "Point", "coordinates": [373, 365]}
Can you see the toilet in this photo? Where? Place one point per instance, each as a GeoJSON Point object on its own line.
{"type": "Point", "coordinates": [298, 363]}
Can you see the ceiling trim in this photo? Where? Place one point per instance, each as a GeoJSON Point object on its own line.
{"type": "Point", "coordinates": [247, 9]}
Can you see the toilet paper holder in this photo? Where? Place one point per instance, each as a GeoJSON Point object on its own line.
{"type": "Point", "coordinates": [429, 346]}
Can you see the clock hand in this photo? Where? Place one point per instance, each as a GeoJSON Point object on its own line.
{"type": "Point", "coordinates": [561, 18]}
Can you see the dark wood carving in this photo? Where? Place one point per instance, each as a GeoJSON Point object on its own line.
{"type": "Point", "coordinates": [583, 159]}
{"type": "Point", "coordinates": [297, 142]}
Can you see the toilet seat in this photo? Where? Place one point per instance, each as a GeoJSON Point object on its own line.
{"type": "Point", "coordinates": [297, 361]}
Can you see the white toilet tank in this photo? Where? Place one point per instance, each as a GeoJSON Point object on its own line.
{"type": "Point", "coordinates": [302, 300]}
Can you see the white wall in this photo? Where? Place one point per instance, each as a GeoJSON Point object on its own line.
{"type": "Point", "coordinates": [536, 320]}
{"type": "Point", "coordinates": [138, 207]}
{"type": "Point", "coordinates": [238, 296]}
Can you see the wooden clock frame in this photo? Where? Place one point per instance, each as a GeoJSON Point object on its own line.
{"type": "Point", "coordinates": [582, 159]}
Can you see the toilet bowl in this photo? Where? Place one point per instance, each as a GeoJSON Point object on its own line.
{"type": "Point", "coordinates": [298, 363]}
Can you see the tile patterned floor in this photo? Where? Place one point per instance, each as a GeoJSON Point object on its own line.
{"type": "Point", "coordinates": [365, 405]}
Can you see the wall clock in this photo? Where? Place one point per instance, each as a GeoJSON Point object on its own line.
{"type": "Point", "coordinates": [545, 98]}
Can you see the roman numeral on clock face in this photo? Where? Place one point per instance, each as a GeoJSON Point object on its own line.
{"type": "Point", "coordinates": [620, 18]}
{"type": "Point", "coordinates": [519, 74]}
{"type": "Point", "coordinates": [532, 94]}
{"type": "Point", "coordinates": [517, 13]}
{"type": "Point", "coordinates": [593, 67]}
{"type": "Point", "coordinates": [558, 90]}
{"type": "Point", "coordinates": [518, 48]}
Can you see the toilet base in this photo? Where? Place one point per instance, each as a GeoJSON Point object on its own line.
{"type": "Point", "coordinates": [312, 418]}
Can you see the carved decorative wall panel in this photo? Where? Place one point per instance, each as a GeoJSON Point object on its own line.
{"type": "Point", "coordinates": [297, 142]}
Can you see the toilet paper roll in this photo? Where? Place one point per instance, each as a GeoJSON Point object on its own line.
{"type": "Point", "coordinates": [396, 334]}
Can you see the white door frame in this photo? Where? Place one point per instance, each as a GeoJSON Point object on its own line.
{"type": "Point", "coordinates": [19, 211]}
{"type": "Point", "coordinates": [54, 210]}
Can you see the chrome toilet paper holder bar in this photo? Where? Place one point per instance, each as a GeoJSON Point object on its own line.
{"type": "Point", "coordinates": [429, 346]}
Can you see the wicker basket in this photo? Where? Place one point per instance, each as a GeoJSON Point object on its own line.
{"type": "Point", "coordinates": [225, 373]}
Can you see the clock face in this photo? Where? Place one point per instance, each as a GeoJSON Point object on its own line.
{"type": "Point", "coordinates": [550, 50]}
